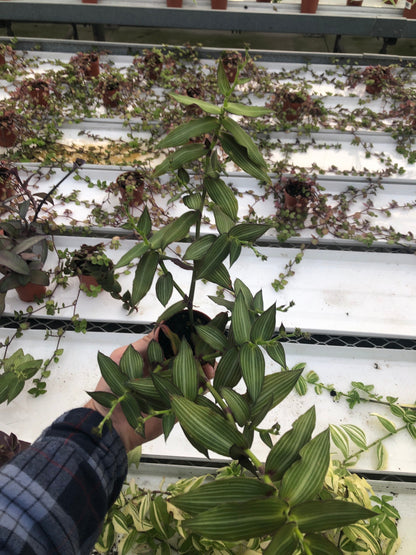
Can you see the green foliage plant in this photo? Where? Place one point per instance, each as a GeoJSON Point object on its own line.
{"type": "Point", "coordinates": [23, 243]}
{"type": "Point", "coordinates": [280, 505]}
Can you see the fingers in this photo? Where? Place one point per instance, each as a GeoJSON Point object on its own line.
{"type": "Point", "coordinates": [140, 346]}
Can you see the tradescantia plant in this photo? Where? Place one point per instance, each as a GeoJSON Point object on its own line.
{"type": "Point", "coordinates": [282, 501]}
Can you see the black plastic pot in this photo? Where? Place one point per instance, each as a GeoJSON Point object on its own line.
{"type": "Point", "coordinates": [181, 325]}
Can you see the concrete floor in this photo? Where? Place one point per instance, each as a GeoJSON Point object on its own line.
{"type": "Point", "coordinates": [225, 39]}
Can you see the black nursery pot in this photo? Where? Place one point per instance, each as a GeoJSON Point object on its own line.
{"type": "Point", "coordinates": [180, 324]}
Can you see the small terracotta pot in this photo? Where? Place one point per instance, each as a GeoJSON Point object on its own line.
{"type": "Point", "coordinates": [31, 292]}
{"type": "Point", "coordinates": [8, 136]}
{"type": "Point", "coordinates": [111, 96]}
{"type": "Point", "coordinates": [39, 93]}
{"type": "Point", "coordinates": [292, 108]}
{"type": "Point", "coordinates": [2, 59]}
{"type": "Point", "coordinates": [218, 4]}
{"type": "Point", "coordinates": [295, 204]}
{"type": "Point", "coordinates": [354, 3]}
{"type": "Point", "coordinates": [309, 6]}
{"type": "Point", "coordinates": [88, 281]}
{"type": "Point", "coordinates": [134, 179]}
{"type": "Point", "coordinates": [374, 88]}
{"type": "Point", "coordinates": [409, 11]}
{"type": "Point", "coordinates": [90, 1]}
{"type": "Point", "coordinates": [174, 3]}
{"type": "Point", "coordinates": [230, 63]}
{"type": "Point", "coordinates": [92, 65]}
{"type": "Point", "coordinates": [6, 186]}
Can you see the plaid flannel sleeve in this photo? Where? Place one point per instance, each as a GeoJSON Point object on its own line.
{"type": "Point", "coordinates": [54, 495]}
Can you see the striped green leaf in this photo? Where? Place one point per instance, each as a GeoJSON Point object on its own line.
{"type": "Point", "coordinates": [132, 363]}
{"type": "Point", "coordinates": [361, 533]}
{"type": "Point", "coordinates": [172, 310]}
{"type": "Point", "coordinates": [145, 387]}
{"type": "Point", "coordinates": [143, 278]}
{"type": "Point", "coordinates": [286, 451]}
{"type": "Point", "coordinates": [199, 248]}
{"type": "Point", "coordinates": [165, 387]}
{"type": "Point", "coordinates": [228, 372]}
{"type": "Point", "coordinates": [284, 542]}
{"type": "Point", "coordinates": [136, 252]}
{"type": "Point", "coordinates": [241, 287]}
{"type": "Point", "coordinates": [14, 262]}
{"type": "Point", "coordinates": [220, 276]}
{"type": "Point", "coordinates": [216, 253]}
{"type": "Point", "coordinates": [237, 404]}
{"type": "Point", "coordinates": [144, 225]}
{"type": "Point", "coordinates": [340, 439]}
{"type": "Point", "coordinates": [179, 158]}
{"type": "Point", "coordinates": [222, 195]}
{"type": "Point", "coordinates": [277, 353]}
{"type": "Point", "coordinates": [175, 231]}
{"type": "Point", "coordinates": [212, 336]}
{"type": "Point", "coordinates": [263, 328]}
{"type": "Point", "coordinates": [239, 156]}
{"type": "Point", "coordinates": [210, 495]}
{"type": "Point", "coordinates": [319, 545]}
{"type": "Point", "coordinates": [207, 427]}
{"type": "Point", "coordinates": [249, 111]}
{"type": "Point", "coordinates": [317, 516]}
{"type": "Point", "coordinates": [14, 388]}
{"type": "Point", "coordinates": [304, 479]}
{"type": "Point", "coordinates": [112, 374]}
{"type": "Point", "coordinates": [155, 353]}
{"type": "Point", "coordinates": [229, 305]}
{"type": "Point", "coordinates": [131, 409]}
{"type": "Point", "coordinates": [188, 100]}
{"type": "Point", "coordinates": [193, 201]}
{"type": "Point", "coordinates": [168, 422]}
{"type": "Point", "coordinates": [222, 80]}
{"type": "Point", "coordinates": [181, 134]}
{"type": "Point", "coordinates": [386, 423]}
{"type": "Point", "coordinates": [223, 222]}
{"type": "Point", "coordinates": [381, 456]}
{"type": "Point", "coordinates": [258, 301]}
{"type": "Point", "coordinates": [239, 521]}
{"type": "Point", "coordinates": [356, 435]}
{"type": "Point", "coordinates": [185, 371]}
{"type": "Point", "coordinates": [105, 398]}
{"type": "Point", "coordinates": [244, 140]}
{"type": "Point", "coordinates": [248, 232]}
{"type": "Point", "coordinates": [160, 517]}
{"type": "Point", "coordinates": [164, 288]}
{"type": "Point", "coordinates": [235, 250]}
{"type": "Point", "coordinates": [276, 387]}
{"type": "Point", "coordinates": [240, 320]}
{"type": "Point", "coordinates": [203, 401]}
{"type": "Point", "coordinates": [252, 368]}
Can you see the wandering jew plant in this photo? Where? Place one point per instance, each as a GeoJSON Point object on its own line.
{"type": "Point", "coordinates": [284, 502]}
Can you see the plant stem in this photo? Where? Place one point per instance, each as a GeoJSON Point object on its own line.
{"type": "Point", "coordinates": [175, 285]}
{"type": "Point", "coordinates": [373, 444]}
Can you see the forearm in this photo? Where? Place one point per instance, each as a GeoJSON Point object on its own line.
{"type": "Point", "coordinates": [54, 495]}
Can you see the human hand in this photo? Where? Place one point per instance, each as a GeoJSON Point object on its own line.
{"type": "Point", "coordinates": [153, 426]}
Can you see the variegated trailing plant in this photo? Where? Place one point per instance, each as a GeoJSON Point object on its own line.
{"type": "Point", "coordinates": [280, 505]}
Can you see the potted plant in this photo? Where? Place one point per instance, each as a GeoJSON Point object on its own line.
{"type": "Point", "coordinates": [92, 267]}
{"type": "Point", "coordinates": [309, 6]}
{"type": "Point", "coordinates": [8, 183]}
{"type": "Point", "coordinates": [298, 190]}
{"type": "Point", "coordinates": [230, 62]}
{"type": "Point", "coordinates": [174, 3]}
{"type": "Point", "coordinates": [218, 4]}
{"type": "Point", "coordinates": [8, 130]}
{"type": "Point", "coordinates": [39, 90]}
{"type": "Point", "coordinates": [23, 244]}
{"type": "Point", "coordinates": [130, 185]}
{"type": "Point", "coordinates": [280, 501]}
{"type": "Point", "coordinates": [377, 78]}
{"type": "Point", "coordinates": [409, 11]}
{"type": "Point", "coordinates": [86, 63]}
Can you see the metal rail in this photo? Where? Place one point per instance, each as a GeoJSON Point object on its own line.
{"type": "Point", "coordinates": [241, 16]}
